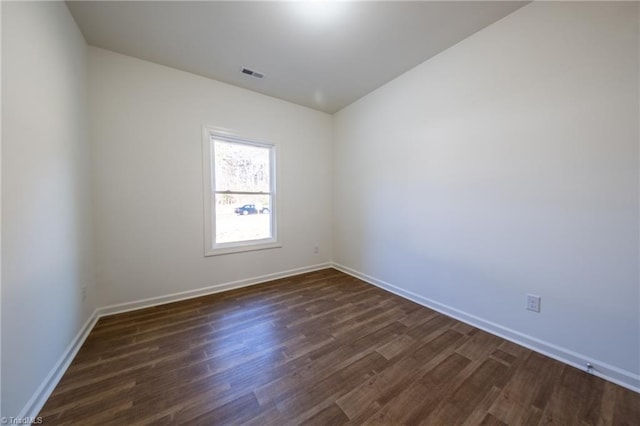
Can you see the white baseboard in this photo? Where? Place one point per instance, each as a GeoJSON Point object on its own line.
{"type": "Point", "coordinates": [217, 288]}
{"type": "Point", "coordinates": [39, 398]}
{"type": "Point", "coordinates": [601, 369]}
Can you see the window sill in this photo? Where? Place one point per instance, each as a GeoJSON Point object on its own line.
{"type": "Point", "coordinates": [241, 248]}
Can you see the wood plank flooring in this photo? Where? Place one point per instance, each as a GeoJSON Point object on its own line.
{"type": "Point", "coordinates": [320, 348]}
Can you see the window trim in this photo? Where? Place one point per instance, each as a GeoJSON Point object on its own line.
{"type": "Point", "coordinates": [211, 248]}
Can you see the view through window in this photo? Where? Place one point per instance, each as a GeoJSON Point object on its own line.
{"type": "Point", "coordinates": [243, 196]}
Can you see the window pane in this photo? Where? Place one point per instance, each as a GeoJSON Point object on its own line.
{"type": "Point", "coordinates": [241, 167]}
{"type": "Point", "coordinates": [242, 217]}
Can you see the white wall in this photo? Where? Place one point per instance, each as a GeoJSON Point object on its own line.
{"type": "Point", "coordinates": [508, 164]}
{"type": "Point", "coordinates": [46, 246]}
{"type": "Point", "coordinates": [146, 132]}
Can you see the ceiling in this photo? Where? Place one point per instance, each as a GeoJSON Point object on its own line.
{"type": "Point", "coordinates": [321, 54]}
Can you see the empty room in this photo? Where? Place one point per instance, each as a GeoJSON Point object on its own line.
{"type": "Point", "coordinates": [320, 212]}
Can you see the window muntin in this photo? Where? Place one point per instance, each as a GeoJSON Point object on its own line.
{"type": "Point", "coordinates": [240, 196]}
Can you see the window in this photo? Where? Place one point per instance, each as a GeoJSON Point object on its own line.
{"type": "Point", "coordinates": [240, 196]}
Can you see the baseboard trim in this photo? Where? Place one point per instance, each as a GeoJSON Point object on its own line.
{"type": "Point", "coordinates": [217, 288]}
{"type": "Point", "coordinates": [37, 401]}
{"type": "Point", "coordinates": [601, 369]}
{"type": "Point", "coordinates": [42, 394]}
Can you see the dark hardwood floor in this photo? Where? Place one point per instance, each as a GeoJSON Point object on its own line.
{"type": "Point", "coordinates": [320, 348]}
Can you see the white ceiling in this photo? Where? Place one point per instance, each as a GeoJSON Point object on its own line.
{"type": "Point", "coordinates": [321, 54]}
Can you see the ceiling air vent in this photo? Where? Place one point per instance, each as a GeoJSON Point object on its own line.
{"type": "Point", "coordinates": [252, 73]}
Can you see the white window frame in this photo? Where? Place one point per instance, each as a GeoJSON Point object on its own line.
{"type": "Point", "coordinates": [211, 248]}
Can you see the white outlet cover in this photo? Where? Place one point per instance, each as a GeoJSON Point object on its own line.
{"type": "Point", "coordinates": [533, 303]}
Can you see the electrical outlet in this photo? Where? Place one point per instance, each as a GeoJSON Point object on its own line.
{"type": "Point", "coordinates": [83, 291]}
{"type": "Point", "coordinates": [533, 303]}
{"type": "Point", "coordinates": [316, 249]}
